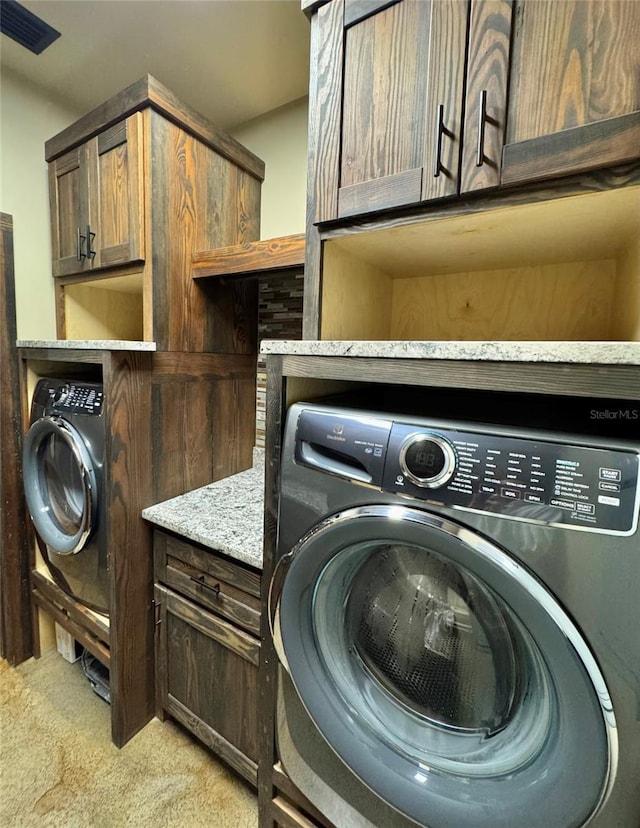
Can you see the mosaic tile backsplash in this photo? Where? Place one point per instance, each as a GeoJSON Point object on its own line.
{"type": "Point", "coordinates": [279, 317]}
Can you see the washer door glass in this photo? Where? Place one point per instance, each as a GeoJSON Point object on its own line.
{"type": "Point", "coordinates": [60, 486]}
{"type": "Point", "coordinates": [444, 675]}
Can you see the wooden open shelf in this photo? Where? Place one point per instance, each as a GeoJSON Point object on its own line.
{"type": "Point", "coordinates": [250, 259]}
{"type": "Point", "coordinates": [562, 269]}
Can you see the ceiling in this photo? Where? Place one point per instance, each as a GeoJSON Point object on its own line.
{"type": "Point", "coordinates": [231, 60]}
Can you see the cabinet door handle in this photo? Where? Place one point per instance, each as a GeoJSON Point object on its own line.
{"type": "Point", "coordinates": [199, 580]}
{"type": "Point", "coordinates": [437, 152]}
{"type": "Point", "coordinates": [79, 239]}
{"type": "Point", "coordinates": [90, 236]}
{"type": "Point", "coordinates": [482, 118]}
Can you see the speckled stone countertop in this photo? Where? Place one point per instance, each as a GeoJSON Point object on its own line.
{"type": "Point", "coordinates": [599, 353]}
{"type": "Point", "coordinates": [226, 515]}
{"type": "Point", "coordinates": [88, 344]}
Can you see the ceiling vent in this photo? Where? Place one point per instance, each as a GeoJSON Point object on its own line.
{"type": "Point", "coordinates": [25, 28]}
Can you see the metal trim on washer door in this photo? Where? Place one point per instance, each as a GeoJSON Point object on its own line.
{"type": "Point", "coordinates": [54, 538]}
{"type": "Point", "coordinates": [478, 555]}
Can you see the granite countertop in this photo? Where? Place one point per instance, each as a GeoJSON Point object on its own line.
{"type": "Point", "coordinates": [598, 353]}
{"type": "Point", "coordinates": [226, 515]}
{"type": "Point", "coordinates": [88, 344]}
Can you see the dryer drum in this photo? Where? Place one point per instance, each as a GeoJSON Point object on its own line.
{"type": "Point", "coordinates": [435, 638]}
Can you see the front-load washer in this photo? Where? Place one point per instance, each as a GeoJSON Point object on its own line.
{"type": "Point", "coordinates": [455, 607]}
{"type": "Point", "coordinates": [63, 463]}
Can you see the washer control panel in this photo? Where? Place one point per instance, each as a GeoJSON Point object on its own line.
{"type": "Point", "coordinates": [552, 482]}
{"type": "Point", "coordinates": [532, 479]}
{"type": "Point", "coordinates": [76, 398]}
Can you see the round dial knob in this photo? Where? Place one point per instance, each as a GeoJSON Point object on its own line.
{"type": "Point", "coordinates": [61, 394]}
{"type": "Point", "coordinates": [428, 460]}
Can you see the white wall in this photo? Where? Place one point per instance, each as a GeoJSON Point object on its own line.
{"type": "Point", "coordinates": [28, 118]}
{"type": "Point", "coordinates": [280, 139]}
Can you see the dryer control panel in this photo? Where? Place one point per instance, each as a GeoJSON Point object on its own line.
{"type": "Point", "coordinates": [74, 398]}
{"type": "Point", "coordinates": [534, 479]}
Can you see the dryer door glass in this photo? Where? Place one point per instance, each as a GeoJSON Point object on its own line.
{"type": "Point", "coordinates": [431, 635]}
{"type": "Point", "coordinates": [60, 486]}
{"type": "Point", "coordinates": [443, 674]}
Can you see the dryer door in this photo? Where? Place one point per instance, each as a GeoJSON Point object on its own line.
{"type": "Point", "coordinates": [59, 484]}
{"type": "Point", "coordinates": [443, 674]}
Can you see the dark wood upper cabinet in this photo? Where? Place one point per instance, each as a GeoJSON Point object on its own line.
{"type": "Point", "coordinates": [390, 135]}
{"type": "Point", "coordinates": [574, 92]}
{"type": "Point", "coordinates": [137, 186]}
{"type": "Point", "coordinates": [97, 201]}
{"type": "Point", "coordinates": [413, 101]}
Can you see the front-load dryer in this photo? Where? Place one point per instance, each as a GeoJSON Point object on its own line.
{"type": "Point", "coordinates": [63, 464]}
{"type": "Point", "coordinates": [455, 606]}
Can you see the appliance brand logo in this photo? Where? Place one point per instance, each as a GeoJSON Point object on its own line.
{"type": "Point", "coordinates": [615, 414]}
{"type": "Point", "coordinates": [338, 428]}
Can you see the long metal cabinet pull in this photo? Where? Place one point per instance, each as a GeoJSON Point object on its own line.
{"type": "Point", "coordinates": [440, 131]}
{"type": "Point", "coordinates": [482, 117]}
{"type": "Point", "coordinates": [90, 236]}
{"type": "Point", "coordinates": [438, 148]}
{"type": "Point", "coordinates": [79, 239]}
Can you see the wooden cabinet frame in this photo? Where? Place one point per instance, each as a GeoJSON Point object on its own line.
{"type": "Point", "coordinates": [126, 642]}
{"type": "Point", "coordinates": [147, 182]}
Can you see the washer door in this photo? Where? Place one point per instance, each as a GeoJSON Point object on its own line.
{"type": "Point", "coordinates": [59, 484]}
{"type": "Point", "coordinates": [442, 673]}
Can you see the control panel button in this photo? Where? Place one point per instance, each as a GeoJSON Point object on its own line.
{"type": "Point", "coordinates": [428, 460]}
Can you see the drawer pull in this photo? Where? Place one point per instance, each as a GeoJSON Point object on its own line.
{"type": "Point", "coordinates": [200, 581]}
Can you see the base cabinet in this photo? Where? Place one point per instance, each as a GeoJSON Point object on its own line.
{"type": "Point", "coordinates": [207, 614]}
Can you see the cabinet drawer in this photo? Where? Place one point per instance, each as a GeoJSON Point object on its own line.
{"type": "Point", "coordinates": [221, 586]}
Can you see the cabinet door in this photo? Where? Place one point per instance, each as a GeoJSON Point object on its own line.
{"type": "Point", "coordinates": [116, 194]}
{"type": "Point", "coordinates": [574, 98]}
{"type": "Point", "coordinates": [486, 94]}
{"type": "Point", "coordinates": [390, 80]}
{"type": "Point", "coordinates": [207, 679]}
{"type": "Point", "coordinates": [68, 197]}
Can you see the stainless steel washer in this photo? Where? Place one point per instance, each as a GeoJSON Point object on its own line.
{"type": "Point", "coordinates": [455, 609]}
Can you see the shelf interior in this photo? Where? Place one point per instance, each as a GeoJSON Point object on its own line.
{"type": "Point", "coordinates": [566, 269]}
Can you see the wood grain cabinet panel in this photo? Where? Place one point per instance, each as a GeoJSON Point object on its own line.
{"type": "Point", "coordinates": [207, 648]}
{"type": "Point", "coordinates": [395, 139]}
{"type": "Point", "coordinates": [69, 204]}
{"type": "Point", "coordinates": [574, 92]}
{"type": "Point", "coordinates": [116, 198]}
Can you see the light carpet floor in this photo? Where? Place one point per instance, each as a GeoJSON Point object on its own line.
{"type": "Point", "coordinates": [59, 768]}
